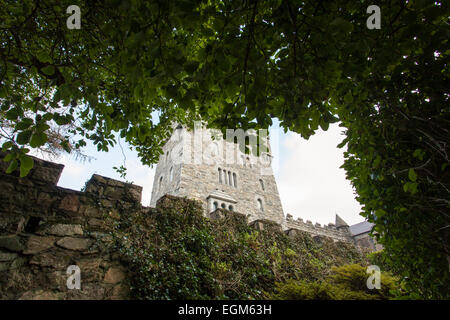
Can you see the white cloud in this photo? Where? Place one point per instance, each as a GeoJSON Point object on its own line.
{"type": "Point", "coordinates": [310, 182]}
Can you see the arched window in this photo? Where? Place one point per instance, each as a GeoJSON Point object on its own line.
{"type": "Point", "coordinates": [230, 207]}
{"type": "Point", "coordinates": [235, 179]}
{"type": "Point", "coordinates": [215, 205]}
{"type": "Point", "coordinates": [223, 206]}
{"type": "Point", "coordinates": [160, 183]}
{"type": "Point", "coordinates": [171, 174]}
{"type": "Point", "coordinates": [220, 175]}
{"type": "Point", "coordinates": [260, 205]}
{"type": "Point", "coordinates": [249, 162]}
{"type": "Point", "coordinates": [261, 182]}
{"type": "Point", "coordinates": [229, 179]}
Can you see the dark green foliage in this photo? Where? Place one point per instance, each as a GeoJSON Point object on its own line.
{"type": "Point", "coordinates": [174, 252]}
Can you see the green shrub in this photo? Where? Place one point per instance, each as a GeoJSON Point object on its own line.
{"type": "Point", "coordinates": [174, 252]}
{"type": "Point", "coordinates": [346, 282]}
{"type": "Point", "coordinates": [302, 290]}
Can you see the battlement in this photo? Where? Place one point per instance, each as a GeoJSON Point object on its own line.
{"type": "Point", "coordinates": [317, 229]}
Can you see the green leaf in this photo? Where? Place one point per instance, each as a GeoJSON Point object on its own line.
{"type": "Point", "coordinates": [324, 124]}
{"type": "Point", "coordinates": [10, 156]}
{"type": "Point", "coordinates": [24, 124]}
{"type": "Point", "coordinates": [380, 213]}
{"type": "Point", "coordinates": [12, 166]}
{"type": "Point", "coordinates": [48, 70]}
{"type": "Point", "coordinates": [23, 137]}
{"type": "Point", "coordinates": [410, 187]}
{"type": "Point", "coordinates": [13, 113]}
{"type": "Point", "coordinates": [412, 175]}
{"type": "Point", "coordinates": [26, 164]}
{"type": "Point", "coordinates": [419, 154]}
{"type": "Point", "coordinates": [38, 139]}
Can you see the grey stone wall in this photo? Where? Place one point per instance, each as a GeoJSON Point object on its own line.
{"type": "Point", "coordinates": [364, 240]}
{"type": "Point", "coordinates": [45, 228]}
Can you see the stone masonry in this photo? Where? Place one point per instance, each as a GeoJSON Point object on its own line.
{"type": "Point", "coordinates": [198, 166]}
{"type": "Point", "coordinates": [44, 229]}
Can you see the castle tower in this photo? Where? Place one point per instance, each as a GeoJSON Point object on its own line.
{"type": "Point", "coordinates": [201, 164]}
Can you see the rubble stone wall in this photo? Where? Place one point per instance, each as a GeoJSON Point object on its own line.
{"type": "Point", "coordinates": [44, 229]}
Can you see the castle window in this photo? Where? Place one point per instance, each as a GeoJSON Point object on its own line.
{"type": "Point", "coordinates": [160, 183]}
{"type": "Point", "coordinates": [260, 204]}
{"type": "Point", "coordinates": [261, 182]}
{"type": "Point", "coordinates": [220, 175]}
{"type": "Point", "coordinates": [235, 180]}
{"type": "Point", "coordinates": [229, 178]}
{"type": "Point", "coordinates": [230, 207]}
{"type": "Point", "coordinates": [223, 206]}
{"type": "Point", "coordinates": [216, 205]}
{"type": "Point", "coordinates": [171, 173]}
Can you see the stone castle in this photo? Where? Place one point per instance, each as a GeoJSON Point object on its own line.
{"type": "Point", "coordinates": [201, 164]}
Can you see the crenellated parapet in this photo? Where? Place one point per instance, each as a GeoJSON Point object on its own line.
{"type": "Point", "coordinates": [317, 229]}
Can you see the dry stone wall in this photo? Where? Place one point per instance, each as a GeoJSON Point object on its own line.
{"type": "Point", "coordinates": [44, 229]}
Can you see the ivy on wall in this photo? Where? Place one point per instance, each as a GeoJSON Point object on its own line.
{"type": "Point", "coordinates": [174, 252]}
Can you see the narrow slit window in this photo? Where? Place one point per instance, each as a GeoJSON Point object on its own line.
{"type": "Point", "coordinates": [235, 179]}
{"type": "Point", "coordinates": [160, 183]}
{"type": "Point", "coordinates": [260, 205]}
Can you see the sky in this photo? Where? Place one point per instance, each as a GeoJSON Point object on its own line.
{"type": "Point", "coordinates": [310, 182]}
